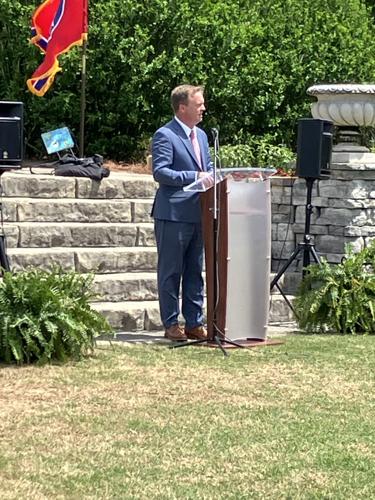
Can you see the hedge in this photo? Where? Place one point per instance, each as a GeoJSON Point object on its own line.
{"type": "Point", "coordinates": [256, 59]}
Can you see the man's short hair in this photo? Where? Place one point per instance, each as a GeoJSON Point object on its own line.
{"type": "Point", "coordinates": [181, 94]}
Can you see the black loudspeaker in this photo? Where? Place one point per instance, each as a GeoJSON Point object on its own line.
{"type": "Point", "coordinates": [314, 148]}
{"type": "Point", "coordinates": [11, 133]}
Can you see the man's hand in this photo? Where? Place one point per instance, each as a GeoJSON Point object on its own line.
{"type": "Point", "coordinates": [207, 179]}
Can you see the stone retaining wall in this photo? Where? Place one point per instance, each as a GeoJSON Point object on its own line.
{"type": "Point", "coordinates": [82, 213]}
{"type": "Point", "coordinates": [344, 209]}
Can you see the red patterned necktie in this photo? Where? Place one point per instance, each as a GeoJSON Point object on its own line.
{"type": "Point", "coordinates": [196, 148]}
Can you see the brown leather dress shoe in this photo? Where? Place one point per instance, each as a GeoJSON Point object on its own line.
{"type": "Point", "coordinates": [196, 333]}
{"type": "Point", "coordinates": [176, 333]}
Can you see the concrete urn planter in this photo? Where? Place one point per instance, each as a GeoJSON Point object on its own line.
{"type": "Point", "coordinates": [348, 106]}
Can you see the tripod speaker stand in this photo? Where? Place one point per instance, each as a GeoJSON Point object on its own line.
{"type": "Point", "coordinates": [314, 150]}
{"type": "Point", "coordinates": [11, 154]}
{"type": "Point", "coordinates": [306, 247]}
{"type": "Point", "coordinates": [4, 262]}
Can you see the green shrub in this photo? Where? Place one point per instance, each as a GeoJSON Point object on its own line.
{"type": "Point", "coordinates": [258, 153]}
{"type": "Point", "coordinates": [274, 156]}
{"type": "Point", "coordinates": [241, 155]}
{"type": "Point", "coordinates": [46, 316]}
{"type": "Point", "coordinates": [339, 298]}
{"type": "Point", "coordinates": [256, 60]}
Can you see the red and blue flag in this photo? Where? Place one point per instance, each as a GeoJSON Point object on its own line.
{"type": "Point", "coordinates": [57, 25]}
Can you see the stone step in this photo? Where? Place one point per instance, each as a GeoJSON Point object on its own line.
{"type": "Point", "coordinates": [157, 336]}
{"type": "Point", "coordinates": [279, 311]}
{"type": "Point", "coordinates": [143, 286]}
{"type": "Point", "coordinates": [90, 234]}
{"type": "Point", "coordinates": [117, 185]}
{"type": "Point", "coordinates": [131, 316]}
{"type": "Point", "coordinates": [288, 282]}
{"type": "Point", "coordinates": [129, 300]}
{"type": "Point", "coordinates": [144, 315]}
{"type": "Point", "coordinates": [86, 260]}
{"type": "Point", "coordinates": [126, 287]}
{"type": "Point", "coordinates": [76, 210]}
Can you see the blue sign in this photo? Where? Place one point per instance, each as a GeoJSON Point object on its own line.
{"type": "Point", "coordinates": [57, 140]}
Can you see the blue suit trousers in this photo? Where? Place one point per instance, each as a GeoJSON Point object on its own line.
{"type": "Point", "coordinates": [180, 263]}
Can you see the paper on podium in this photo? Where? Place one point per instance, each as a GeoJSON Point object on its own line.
{"type": "Point", "coordinates": [204, 183]}
{"type": "Point", "coordinates": [248, 174]}
{"type": "Point", "coordinates": [237, 174]}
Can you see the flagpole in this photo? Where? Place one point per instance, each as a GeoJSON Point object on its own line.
{"type": "Point", "coordinates": [83, 101]}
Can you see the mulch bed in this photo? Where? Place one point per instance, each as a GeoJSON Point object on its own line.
{"type": "Point", "coordinates": [134, 168]}
{"type": "Point", "coordinates": [143, 168]}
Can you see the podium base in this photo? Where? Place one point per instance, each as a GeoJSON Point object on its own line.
{"type": "Point", "coordinates": [224, 344]}
{"type": "Point", "coordinates": [249, 342]}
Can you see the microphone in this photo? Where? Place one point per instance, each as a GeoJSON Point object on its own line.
{"type": "Point", "coordinates": [215, 133]}
{"type": "Point", "coordinates": [212, 135]}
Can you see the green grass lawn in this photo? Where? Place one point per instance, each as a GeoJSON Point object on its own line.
{"type": "Point", "coordinates": [145, 422]}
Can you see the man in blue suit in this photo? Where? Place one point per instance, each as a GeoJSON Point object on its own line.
{"type": "Point", "coordinates": [180, 155]}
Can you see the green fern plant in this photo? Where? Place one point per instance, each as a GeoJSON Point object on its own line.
{"type": "Point", "coordinates": [339, 298]}
{"type": "Point", "coordinates": [46, 315]}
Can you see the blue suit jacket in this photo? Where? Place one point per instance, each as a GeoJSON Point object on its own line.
{"type": "Point", "coordinates": [174, 166]}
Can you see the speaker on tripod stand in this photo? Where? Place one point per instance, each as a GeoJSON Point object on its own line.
{"type": "Point", "coordinates": [11, 134]}
{"type": "Point", "coordinates": [314, 148]}
{"type": "Point", "coordinates": [11, 155]}
{"type": "Point", "coordinates": [314, 151]}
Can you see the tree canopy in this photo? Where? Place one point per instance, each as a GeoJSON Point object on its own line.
{"type": "Point", "coordinates": [256, 58]}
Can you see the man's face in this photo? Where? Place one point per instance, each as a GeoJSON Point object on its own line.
{"type": "Point", "coordinates": [192, 112]}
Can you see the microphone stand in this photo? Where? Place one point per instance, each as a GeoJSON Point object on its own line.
{"type": "Point", "coordinates": [306, 247]}
{"type": "Point", "coordinates": [218, 337]}
{"type": "Point", "coordinates": [4, 261]}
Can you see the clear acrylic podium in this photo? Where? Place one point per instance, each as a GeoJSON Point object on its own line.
{"type": "Point", "coordinates": [237, 251]}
